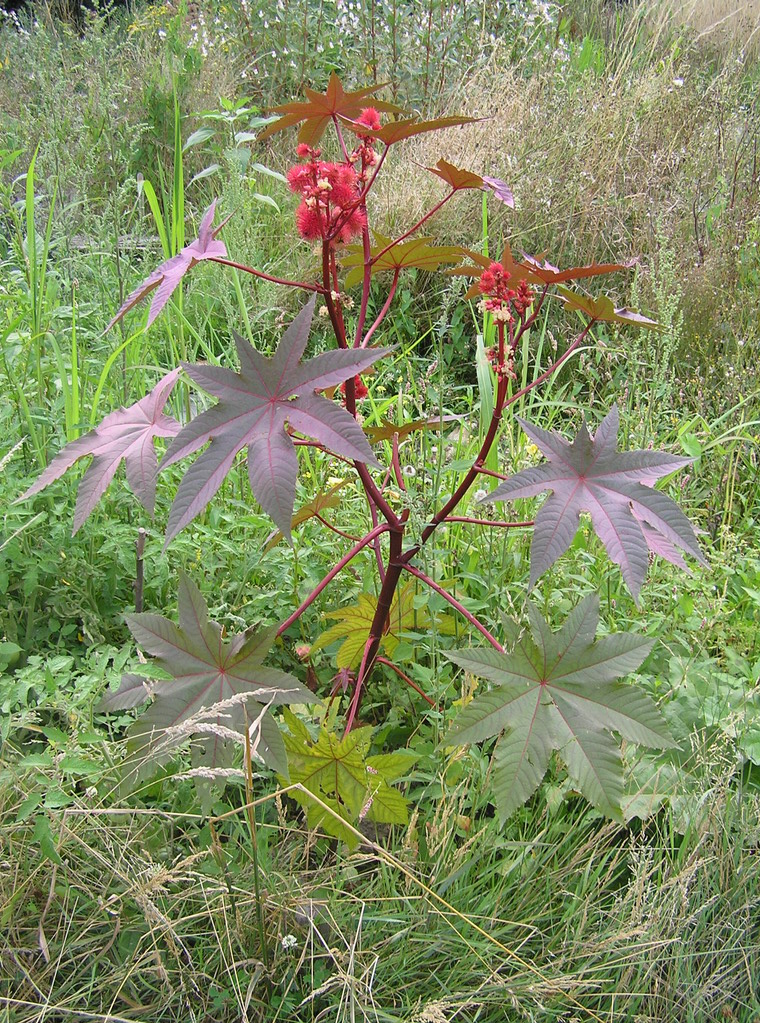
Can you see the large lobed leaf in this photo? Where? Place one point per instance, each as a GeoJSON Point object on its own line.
{"type": "Point", "coordinates": [534, 271]}
{"type": "Point", "coordinates": [126, 434]}
{"type": "Point", "coordinates": [316, 112]}
{"type": "Point", "coordinates": [206, 670]}
{"type": "Point", "coordinates": [558, 691]}
{"type": "Point", "coordinates": [254, 407]}
{"type": "Point", "coordinates": [589, 474]}
{"type": "Point", "coordinates": [166, 277]}
{"type": "Point", "coordinates": [354, 622]}
{"type": "Point", "coordinates": [338, 772]}
{"type": "Point", "coordinates": [398, 256]}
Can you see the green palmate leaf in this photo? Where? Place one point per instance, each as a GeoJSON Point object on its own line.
{"type": "Point", "coordinates": [318, 110]}
{"type": "Point", "coordinates": [342, 777]}
{"type": "Point", "coordinates": [589, 474]}
{"type": "Point", "coordinates": [401, 256]}
{"type": "Point", "coordinates": [602, 309]}
{"type": "Point", "coordinates": [216, 685]}
{"type": "Point", "coordinates": [354, 623]}
{"type": "Point", "coordinates": [557, 691]}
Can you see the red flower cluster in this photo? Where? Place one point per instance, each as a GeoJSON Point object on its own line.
{"type": "Point", "coordinates": [330, 206]}
{"type": "Point", "coordinates": [360, 388]}
{"type": "Point", "coordinates": [494, 286]}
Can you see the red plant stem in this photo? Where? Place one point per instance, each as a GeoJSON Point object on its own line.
{"type": "Point", "coordinates": [455, 604]}
{"type": "Point", "coordinates": [409, 682]}
{"type": "Point", "coordinates": [268, 277]}
{"type": "Point", "coordinates": [335, 313]}
{"type": "Point", "coordinates": [376, 543]}
{"type": "Point", "coordinates": [371, 489]}
{"type": "Point", "coordinates": [326, 522]}
{"type": "Point", "coordinates": [377, 531]}
{"type": "Point", "coordinates": [383, 312]}
{"type": "Point", "coordinates": [472, 474]}
{"type": "Point", "coordinates": [415, 227]}
{"type": "Point", "coordinates": [339, 133]}
{"type": "Point", "coordinates": [378, 168]}
{"type": "Point", "coordinates": [553, 368]}
{"type": "Point", "coordinates": [489, 472]}
{"type": "Point", "coordinates": [362, 317]}
{"type": "Point", "coordinates": [489, 522]}
{"type": "Point", "coordinates": [377, 628]}
{"type": "Point", "coordinates": [396, 463]}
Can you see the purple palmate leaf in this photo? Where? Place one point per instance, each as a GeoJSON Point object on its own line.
{"type": "Point", "coordinates": [254, 407]}
{"type": "Point", "coordinates": [128, 434]}
{"type": "Point", "coordinates": [217, 685]}
{"type": "Point", "coordinates": [615, 488]}
{"type": "Point", "coordinates": [167, 276]}
{"type": "Point", "coordinates": [500, 190]}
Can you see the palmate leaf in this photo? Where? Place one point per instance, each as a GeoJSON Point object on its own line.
{"type": "Point", "coordinates": [341, 775]}
{"type": "Point", "coordinates": [354, 622]}
{"type": "Point", "coordinates": [557, 691]}
{"type": "Point", "coordinates": [456, 177]}
{"type": "Point", "coordinates": [254, 407]}
{"type": "Point", "coordinates": [402, 256]}
{"type": "Point", "coordinates": [397, 131]}
{"type": "Point", "coordinates": [315, 113]}
{"type": "Point", "coordinates": [386, 430]}
{"type": "Point", "coordinates": [206, 669]}
{"type": "Point", "coordinates": [615, 488]}
{"type": "Point", "coordinates": [323, 501]}
{"type": "Point", "coordinates": [126, 434]}
{"type": "Point", "coordinates": [602, 309]}
{"type": "Point", "coordinates": [536, 272]}
{"type": "Point", "coordinates": [166, 277]}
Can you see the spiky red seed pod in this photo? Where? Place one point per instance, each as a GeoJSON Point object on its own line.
{"type": "Point", "coordinates": [370, 118]}
{"type": "Point", "coordinates": [309, 222]}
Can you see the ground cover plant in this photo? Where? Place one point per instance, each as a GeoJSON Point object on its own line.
{"type": "Point", "coordinates": [144, 883]}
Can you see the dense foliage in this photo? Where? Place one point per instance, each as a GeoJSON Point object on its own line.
{"type": "Point", "coordinates": [217, 854]}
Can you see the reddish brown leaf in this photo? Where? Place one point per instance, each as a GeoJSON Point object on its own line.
{"type": "Point", "coordinates": [318, 109]}
{"type": "Point", "coordinates": [456, 176]}
{"type": "Point", "coordinates": [386, 430]}
{"type": "Point", "coordinates": [602, 309]}
{"type": "Point", "coordinates": [397, 131]}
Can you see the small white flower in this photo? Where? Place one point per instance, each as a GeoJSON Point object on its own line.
{"type": "Point", "coordinates": [480, 495]}
{"type": "Point", "coordinates": [288, 941]}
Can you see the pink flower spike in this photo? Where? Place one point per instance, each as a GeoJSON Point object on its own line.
{"type": "Point", "coordinates": [166, 277]}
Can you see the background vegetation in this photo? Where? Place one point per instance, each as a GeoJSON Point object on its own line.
{"type": "Point", "coordinates": [627, 131]}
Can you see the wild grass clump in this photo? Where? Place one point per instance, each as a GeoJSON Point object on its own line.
{"type": "Point", "coordinates": [151, 912]}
